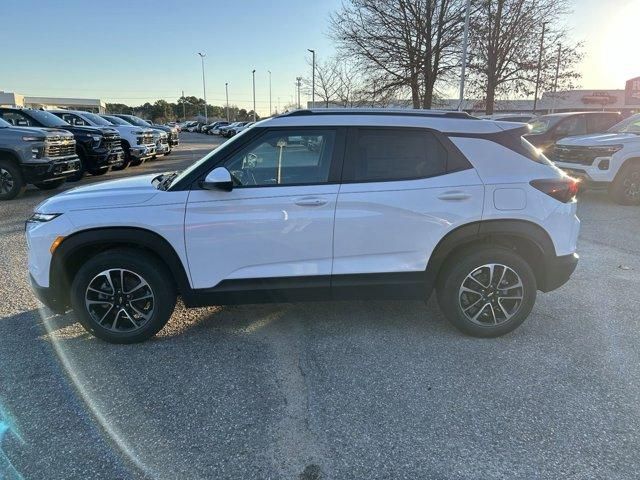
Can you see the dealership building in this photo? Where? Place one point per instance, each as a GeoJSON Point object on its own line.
{"type": "Point", "coordinates": [11, 99]}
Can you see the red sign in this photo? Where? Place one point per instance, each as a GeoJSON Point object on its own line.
{"type": "Point", "coordinates": [632, 92]}
{"type": "Point", "coordinates": [600, 98]}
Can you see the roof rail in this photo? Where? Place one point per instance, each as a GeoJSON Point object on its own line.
{"type": "Point", "coordinates": [378, 111]}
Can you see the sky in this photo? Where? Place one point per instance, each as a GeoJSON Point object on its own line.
{"type": "Point", "coordinates": [135, 51]}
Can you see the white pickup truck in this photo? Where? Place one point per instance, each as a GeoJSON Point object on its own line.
{"type": "Point", "coordinates": [611, 158]}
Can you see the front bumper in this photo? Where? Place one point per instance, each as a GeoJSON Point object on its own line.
{"type": "Point", "coordinates": [162, 148]}
{"type": "Point", "coordinates": [52, 170]}
{"type": "Point", "coordinates": [557, 271]}
{"type": "Point", "coordinates": [174, 141]}
{"type": "Point", "coordinates": [102, 158]}
{"type": "Point", "coordinates": [142, 152]}
{"type": "Point", "coordinates": [589, 173]}
{"type": "Point", "coordinates": [48, 296]}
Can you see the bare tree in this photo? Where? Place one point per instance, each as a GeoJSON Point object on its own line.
{"type": "Point", "coordinates": [327, 80]}
{"type": "Point", "coordinates": [402, 44]}
{"type": "Point", "coordinates": [505, 44]}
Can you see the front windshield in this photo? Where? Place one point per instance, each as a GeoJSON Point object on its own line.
{"type": "Point", "coordinates": [543, 124]}
{"type": "Point", "coordinates": [116, 120]}
{"type": "Point", "coordinates": [97, 119]}
{"type": "Point", "coordinates": [629, 125]}
{"type": "Point", "coordinates": [47, 119]}
{"type": "Point", "coordinates": [4, 124]}
{"type": "Point", "coordinates": [136, 121]}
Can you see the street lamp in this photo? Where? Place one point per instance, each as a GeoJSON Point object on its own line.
{"type": "Point", "coordinates": [226, 90]}
{"type": "Point", "coordinates": [313, 78]}
{"type": "Point", "coordinates": [204, 87]}
{"type": "Point", "coordinates": [254, 94]}
{"type": "Point", "coordinates": [270, 110]}
{"type": "Point", "coordinates": [465, 43]}
{"type": "Point", "coordinates": [535, 95]}
{"type": "Point", "coordinates": [298, 83]}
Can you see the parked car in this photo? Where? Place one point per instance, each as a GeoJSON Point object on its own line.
{"type": "Point", "coordinates": [172, 132]}
{"type": "Point", "coordinates": [229, 130]}
{"type": "Point", "coordinates": [422, 200]}
{"type": "Point", "coordinates": [216, 130]}
{"type": "Point", "coordinates": [98, 147]}
{"type": "Point", "coordinates": [139, 143]}
{"type": "Point", "coordinates": [44, 157]}
{"type": "Point", "coordinates": [510, 117]}
{"type": "Point", "coordinates": [611, 159]}
{"type": "Point", "coordinates": [243, 127]}
{"type": "Point", "coordinates": [546, 130]}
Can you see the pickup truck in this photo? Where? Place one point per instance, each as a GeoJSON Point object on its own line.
{"type": "Point", "coordinates": [44, 157]}
{"type": "Point", "coordinates": [99, 148]}
{"type": "Point", "coordinates": [610, 159]}
{"type": "Point", "coordinates": [137, 145]}
{"type": "Point", "coordinates": [172, 132]}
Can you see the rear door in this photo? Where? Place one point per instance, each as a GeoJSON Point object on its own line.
{"type": "Point", "coordinates": [403, 190]}
{"type": "Point", "coordinates": [278, 219]}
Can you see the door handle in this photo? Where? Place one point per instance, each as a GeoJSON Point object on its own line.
{"type": "Point", "coordinates": [311, 201]}
{"type": "Point", "coordinates": [454, 195]}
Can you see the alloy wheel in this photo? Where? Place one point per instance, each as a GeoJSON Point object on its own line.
{"type": "Point", "coordinates": [120, 300]}
{"type": "Point", "coordinates": [6, 181]}
{"type": "Point", "coordinates": [491, 294]}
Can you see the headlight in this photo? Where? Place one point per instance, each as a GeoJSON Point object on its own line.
{"type": "Point", "coordinates": [43, 217]}
{"type": "Point", "coordinates": [137, 132]}
{"type": "Point", "coordinates": [96, 138]}
{"type": "Point", "coordinates": [32, 138]}
{"type": "Point", "coordinates": [607, 150]}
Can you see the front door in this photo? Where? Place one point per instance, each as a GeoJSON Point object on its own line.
{"type": "Point", "coordinates": [277, 221]}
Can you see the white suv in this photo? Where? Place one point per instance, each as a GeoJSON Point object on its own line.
{"type": "Point", "coordinates": [317, 205]}
{"type": "Point", "coordinates": [611, 158]}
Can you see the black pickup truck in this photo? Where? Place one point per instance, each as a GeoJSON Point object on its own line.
{"type": "Point", "coordinates": [99, 148]}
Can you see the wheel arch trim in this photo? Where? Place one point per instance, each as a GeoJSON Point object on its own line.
{"type": "Point", "coordinates": [115, 237]}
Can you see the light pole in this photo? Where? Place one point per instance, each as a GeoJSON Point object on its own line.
{"type": "Point", "coordinates": [465, 43]}
{"type": "Point", "coordinates": [535, 95]}
{"type": "Point", "coordinates": [204, 87]}
{"type": "Point", "coordinates": [254, 94]}
{"type": "Point", "coordinates": [298, 83]}
{"type": "Point", "coordinates": [184, 111]}
{"type": "Point", "coordinates": [313, 79]}
{"type": "Point", "coordinates": [270, 110]}
{"type": "Point", "coordinates": [555, 81]}
{"type": "Point", "coordinates": [226, 91]}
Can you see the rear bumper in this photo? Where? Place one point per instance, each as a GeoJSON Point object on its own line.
{"type": "Point", "coordinates": [48, 296]}
{"type": "Point", "coordinates": [557, 271]}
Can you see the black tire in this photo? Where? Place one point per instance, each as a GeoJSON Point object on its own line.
{"type": "Point", "coordinates": [140, 266]}
{"type": "Point", "coordinates": [50, 185]}
{"type": "Point", "coordinates": [625, 188]}
{"type": "Point", "coordinates": [168, 152]}
{"type": "Point", "coordinates": [11, 182]}
{"type": "Point", "coordinates": [461, 306]}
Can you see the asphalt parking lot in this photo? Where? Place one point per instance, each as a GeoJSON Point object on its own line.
{"type": "Point", "coordinates": [330, 390]}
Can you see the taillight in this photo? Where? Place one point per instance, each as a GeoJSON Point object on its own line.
{"type": "Point", "coordinates": [562, 189]}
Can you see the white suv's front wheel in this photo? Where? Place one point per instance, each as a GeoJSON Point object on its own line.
{"type": "Point", "coordinates": [487, 292]}
{"type": "Point", "coordinates": [123, 296]}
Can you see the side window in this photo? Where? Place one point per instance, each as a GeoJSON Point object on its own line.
{"type": "Point", "coordinates": [73, 119]}
{"type": "Point", "coordinates": [575, 125]}
{"type": "Point", "coordinates": [17, 119]}
{"type": "Point", "coordinates": [396, 154]}
{"type": "Point", "coordinates": [284, 158]}
{"type": "Point", "coordinates": [601, 123]}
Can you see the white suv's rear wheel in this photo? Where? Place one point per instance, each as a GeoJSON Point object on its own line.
{"type": "Point", "coordinates": [487, 292]}
{"type": "Point", "coordinates": [123, 296]}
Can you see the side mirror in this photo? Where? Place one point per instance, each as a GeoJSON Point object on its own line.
{"type": "Point", "coordinates": [218, 179]}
